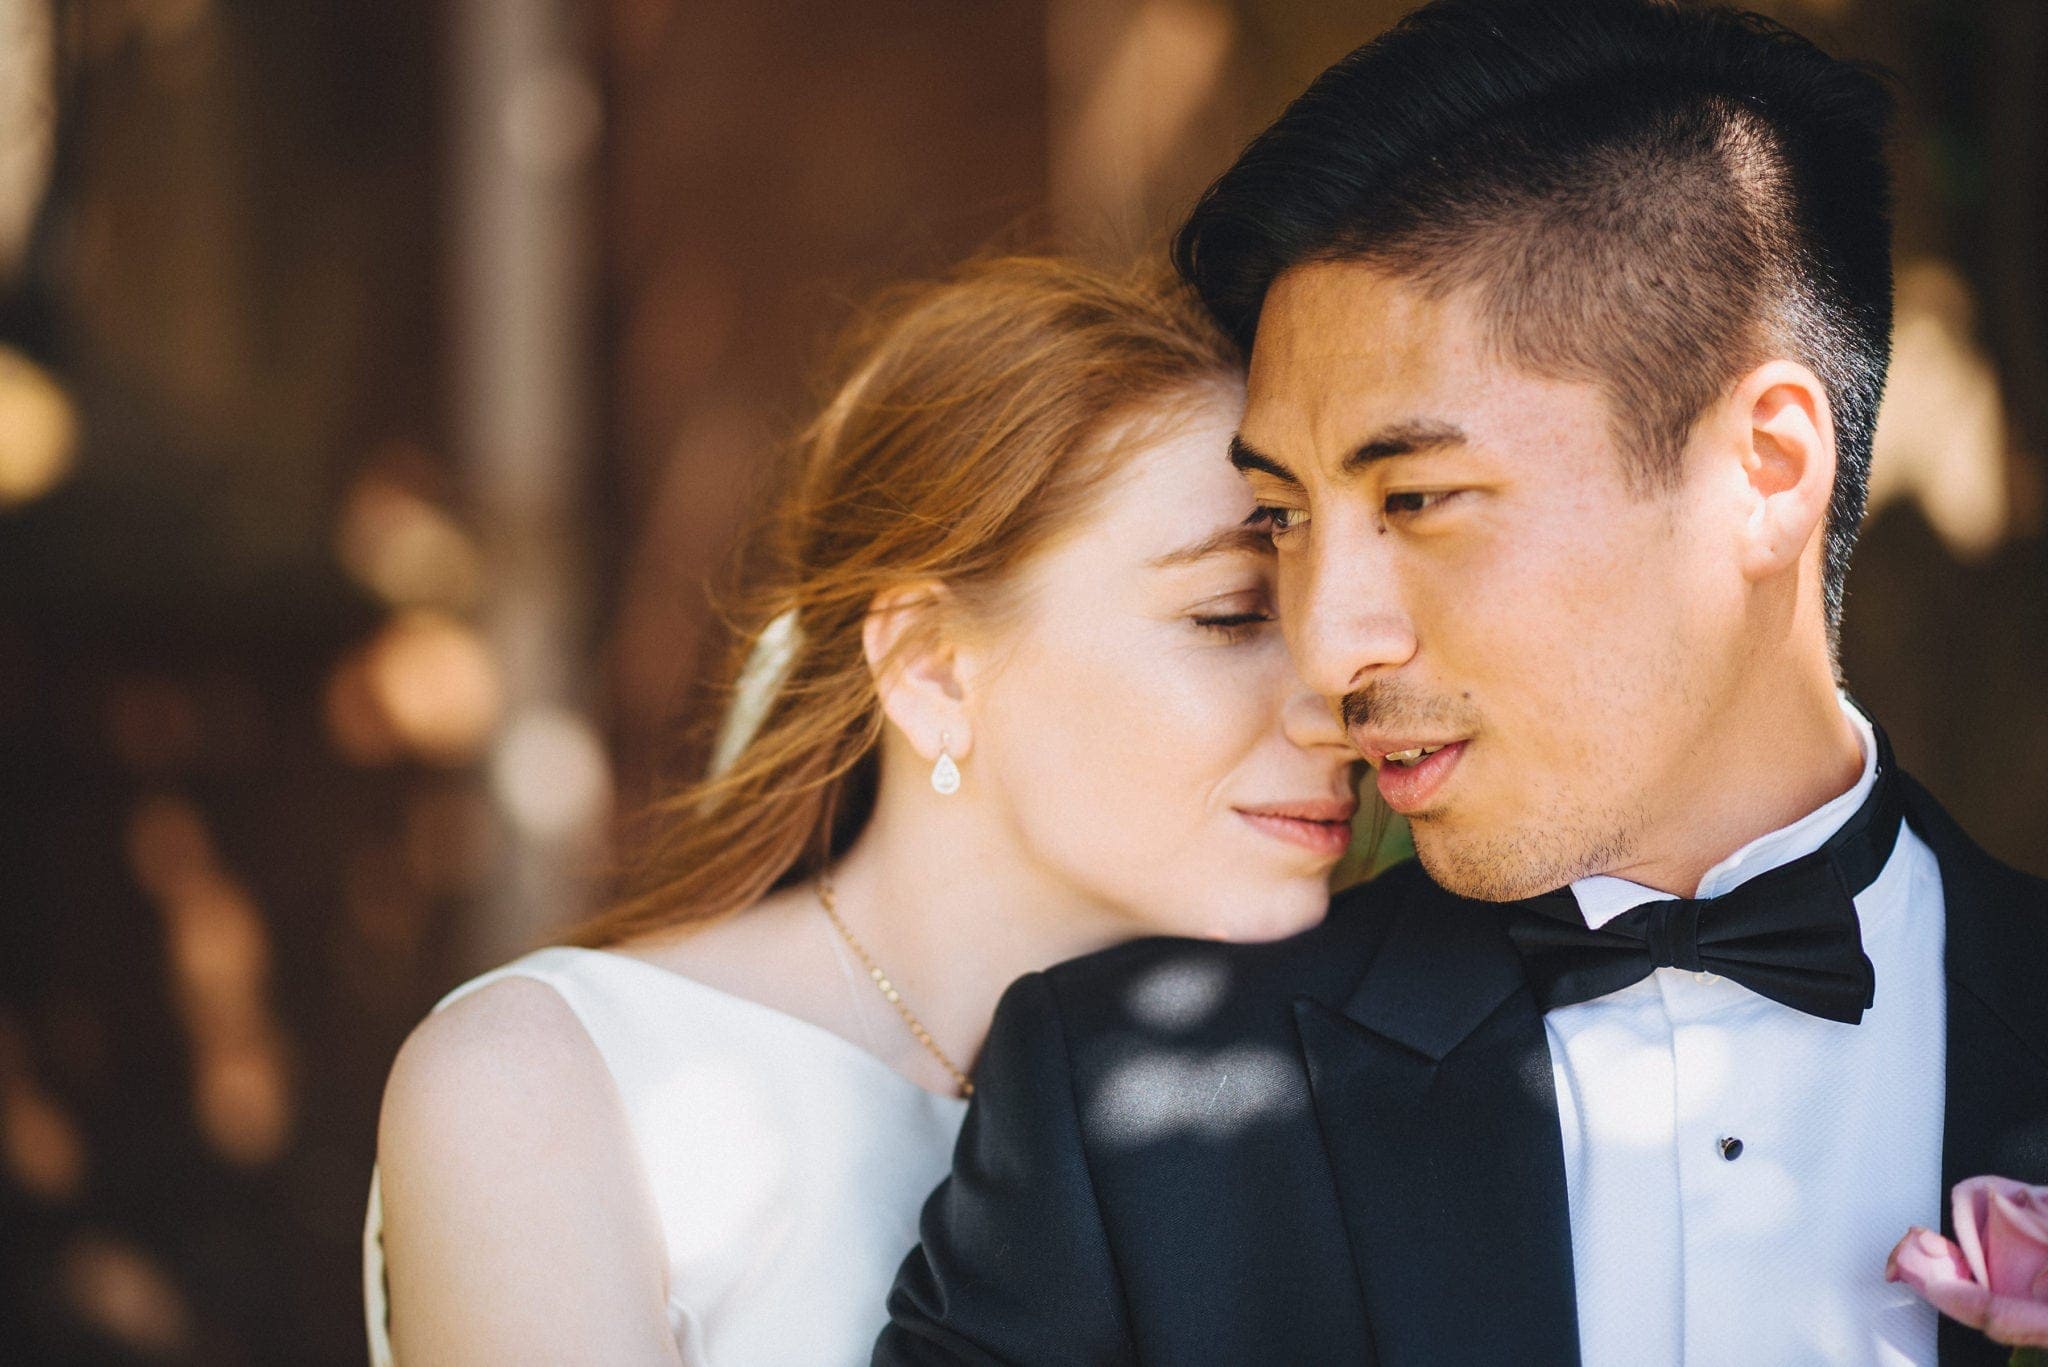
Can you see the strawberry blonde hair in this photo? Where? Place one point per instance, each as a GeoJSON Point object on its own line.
{"type": "Point", "coordinates": [969, 426]}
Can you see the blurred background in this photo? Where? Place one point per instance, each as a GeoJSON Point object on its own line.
{"type": "Point", "coordinates": [382, 388]}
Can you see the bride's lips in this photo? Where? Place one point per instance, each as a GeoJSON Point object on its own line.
{"type": "Point", "coordinates": [1408, 788]}
{"type": "Point", "coordinates": [1322, 825]}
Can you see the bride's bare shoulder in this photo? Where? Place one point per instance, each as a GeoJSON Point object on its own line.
{"type": "Point", "coordinates": [500, 1149]}
{"type": "Point", "coordinates": [494, 1045]}
{"type": "Point", "coordinates": [485, 1085]}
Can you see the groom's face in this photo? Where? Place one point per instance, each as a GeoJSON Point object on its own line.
{"type": "Point", "coordinates": [1465, 562]}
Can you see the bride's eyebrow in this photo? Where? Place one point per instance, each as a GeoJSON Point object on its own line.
{"type": "Point", "coordinates": [1237, 537]}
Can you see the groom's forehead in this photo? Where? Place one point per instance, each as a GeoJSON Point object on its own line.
{"type": "Point", "coordinates": [1350, 360]}
{"type": "Point", "coordinates": [1337, 336]}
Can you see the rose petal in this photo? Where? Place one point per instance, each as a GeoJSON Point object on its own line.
{"type": "Point", "coordinates": [1938, 1273]}
{"type": "Point", "coordinates": [2030, 1205]}
{"type": "Point", "coordinates": [1923, 1257]}
{"type": "Point", "coordinates": [2015, 1248]}
{"type": "Point", "coordinates": [1969, 1203]}
{"type": "Point", "coordinates": [1964, 1302]}
{"type": "Point", "coordinates": [2015, 1322]}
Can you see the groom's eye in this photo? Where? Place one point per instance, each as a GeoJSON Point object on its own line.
{"type": "Point", "coordinates": [1409, 504]}
{"type": "Point", "coordinates": [1276, 520]}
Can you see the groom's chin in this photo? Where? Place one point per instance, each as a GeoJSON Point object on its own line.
{"type": "Point", "coordinates": [1497, 868]}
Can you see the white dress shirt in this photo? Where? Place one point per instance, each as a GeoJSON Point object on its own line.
{"type": "Point", "coordinates": [1776, 1256]}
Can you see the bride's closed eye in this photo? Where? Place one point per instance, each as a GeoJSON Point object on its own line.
{"type": "Point", "coordinates": [1234, 619]}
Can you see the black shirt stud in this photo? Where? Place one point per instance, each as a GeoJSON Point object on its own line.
{"type": "Point", "coordinates": [1730, 1146]}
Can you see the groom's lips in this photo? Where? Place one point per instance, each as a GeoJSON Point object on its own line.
{"type": "Point", "coordinates": [1408, 788]}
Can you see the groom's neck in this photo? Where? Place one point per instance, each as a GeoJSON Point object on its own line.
{"type": "Point", "coordinates": [1779, 751]}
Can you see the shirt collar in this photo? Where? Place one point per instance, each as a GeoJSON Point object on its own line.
{"type": "Point", "coordinates": [1603, 897]}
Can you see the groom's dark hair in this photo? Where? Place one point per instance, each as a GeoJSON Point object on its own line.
{"type": "Point", "coordinates": [1646, 194]}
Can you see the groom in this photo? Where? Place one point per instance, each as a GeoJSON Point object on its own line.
{"type": "Point", "coordinates": [1568, 323]}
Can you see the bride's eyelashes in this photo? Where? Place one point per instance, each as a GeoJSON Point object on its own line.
{"type": "Point", "coordinates": [1232, 626]}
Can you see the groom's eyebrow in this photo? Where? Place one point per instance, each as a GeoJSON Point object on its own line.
{"type": "Point", "coordinates": [1403, 439]}
{"type": "Point", "coordinates": [1245, 458]}
{"type": "Point", "coordinates": [1407, 438]}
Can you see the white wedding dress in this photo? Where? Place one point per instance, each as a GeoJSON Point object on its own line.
{"type": "Point", "coordinates": [788, 1164]}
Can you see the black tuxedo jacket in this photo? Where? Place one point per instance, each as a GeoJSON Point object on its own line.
{"type": "Point", "coordinates": [1344, 1147]}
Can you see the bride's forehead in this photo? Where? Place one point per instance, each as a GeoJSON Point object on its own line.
{"type": "Point", "coordinates": [1166, 495]}
{"type": "Point", "coordinates": [1180, 479]}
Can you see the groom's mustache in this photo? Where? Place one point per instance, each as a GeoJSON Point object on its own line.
{"type": "Point", "coordinates": [1396, 705]}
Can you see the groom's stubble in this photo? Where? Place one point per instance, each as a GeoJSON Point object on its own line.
{"type": "Point", "coordinates": [1504, 863]}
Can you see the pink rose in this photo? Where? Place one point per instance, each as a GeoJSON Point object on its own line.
{"type": "Point", "coordinates": [1994, 1276]}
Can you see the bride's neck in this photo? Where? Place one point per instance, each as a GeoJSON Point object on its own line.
{"type": "Point", "coordinates": [938, 892]}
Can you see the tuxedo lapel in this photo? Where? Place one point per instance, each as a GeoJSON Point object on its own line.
{"type": "Point", "coordinates": [1433, 1092]}
{"type": "Point", "coordinates": [1995, 1117]}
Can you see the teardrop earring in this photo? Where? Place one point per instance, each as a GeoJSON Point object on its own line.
{"type": "Point", "coordinates": [945, 774]}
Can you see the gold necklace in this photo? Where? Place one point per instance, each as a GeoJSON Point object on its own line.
{"type": "Point", "coordinates": [888, 990]}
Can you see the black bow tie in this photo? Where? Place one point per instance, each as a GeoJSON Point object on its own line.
{"type": "Point", "coordinates": [1790, 933]}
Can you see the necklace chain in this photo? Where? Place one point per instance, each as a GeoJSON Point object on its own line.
{"type": "Point", "coordinates": [889, 991]}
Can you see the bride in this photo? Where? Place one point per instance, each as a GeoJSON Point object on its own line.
{"type": "Point", "coordinates": [1024, 697]}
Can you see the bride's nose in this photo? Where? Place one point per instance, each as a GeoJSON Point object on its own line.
{"type": "Point", "coordinates": [1310, 720]}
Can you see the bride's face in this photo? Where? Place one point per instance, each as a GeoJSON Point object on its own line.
{"type": "Point", "coordinates": [1144, 733]}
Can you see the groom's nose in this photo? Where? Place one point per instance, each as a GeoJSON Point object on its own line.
{"type": "Point", "coordinates": [1346, 616]}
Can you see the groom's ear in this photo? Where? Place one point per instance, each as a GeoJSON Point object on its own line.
{"type": "Point", "coordinates": [1780, 432]}
{"type": "Point", "coordinates": [918, 668]}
